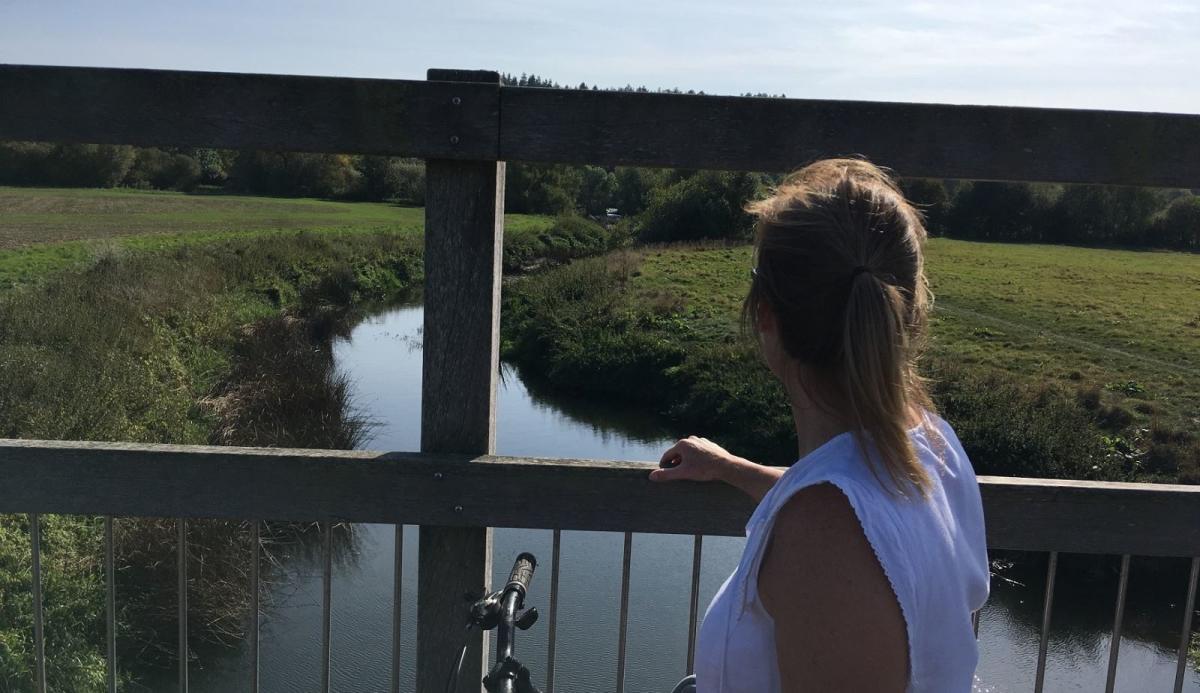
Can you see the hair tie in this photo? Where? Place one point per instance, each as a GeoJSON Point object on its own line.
{"type": "Point", "coordinates": [859, 270]}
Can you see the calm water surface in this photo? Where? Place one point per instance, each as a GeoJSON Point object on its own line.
{"type": "Point", "coordinates": [383, 359]}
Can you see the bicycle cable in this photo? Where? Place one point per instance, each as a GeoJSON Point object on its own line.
{"type": "Point", "coordinates": [452, 682]}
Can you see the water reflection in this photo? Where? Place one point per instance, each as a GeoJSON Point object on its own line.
{"type": "Point", "coordinates": [382, 361]}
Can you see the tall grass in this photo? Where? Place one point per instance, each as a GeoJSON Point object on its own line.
{"type": "Point", "coordinates": [225, 342]}
{"type": "Point", "coordinates": [585, 328]}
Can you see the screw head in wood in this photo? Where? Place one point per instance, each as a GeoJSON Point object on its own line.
{"type": "Point", "coordinates": [437, 475]}
{"type": "Point", "coordinates": [456, 101]}
{"type": "Point", "coordinates": [458, 509]}
{"type": "Point", "coordinates": [453, 139]}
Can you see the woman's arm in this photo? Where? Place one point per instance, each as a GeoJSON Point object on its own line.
{"type": "Point", "coordinates": [700, 459]}
{"type": "Point", "coordinates": [838, 625]}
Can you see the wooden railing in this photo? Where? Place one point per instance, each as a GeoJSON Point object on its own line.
{"type": "Point", "coordinates": [465, 124]}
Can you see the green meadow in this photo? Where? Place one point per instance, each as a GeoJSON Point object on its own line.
{"type": "Point", "coordinates": [1110, 339]}
{"type": "Point", "coordinates": [43, 230]}
{"type": "Point", "coordinates": [1127, 322]}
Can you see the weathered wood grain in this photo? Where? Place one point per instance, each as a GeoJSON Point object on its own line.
{"type": "Point", "coordinates": [413, 118]}
{"type": "Point", "coordinates": [248, 111]}
{"type": "Point", "coordinates": [464, 217]}
{"type": "Point", "coordinates": [464, 228]}
{"type": "Point", "coordinates": [416, 488]}
{"type": "Point", "coordinates": [1092, 517]}
{"type": "Point", "coordinates": [919, 140]}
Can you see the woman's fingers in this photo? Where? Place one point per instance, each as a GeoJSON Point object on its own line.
{"type": "Point", "coordinates": [673, 466]}
{"type": "Point", "coordinates": [671, 457]}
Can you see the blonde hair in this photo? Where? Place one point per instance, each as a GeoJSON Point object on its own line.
{"type": "Point", "coordinates": [839, 260]}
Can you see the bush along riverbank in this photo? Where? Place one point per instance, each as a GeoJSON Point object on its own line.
{"type": "Point", "coordinates": [225, 342]}
{"type": "Point", "coordinates": [660, 327]}
{"type": "Point", "coordinates": [219, 339]}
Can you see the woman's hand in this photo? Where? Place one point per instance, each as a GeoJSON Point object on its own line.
{"type": "Point", "coordinates": [694, 459]}
{"type": "Point", "coordinates": [700, 459]}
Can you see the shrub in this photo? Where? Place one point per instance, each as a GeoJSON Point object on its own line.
{"type": "Point", "coordinates": [290, 173]}
{"type": "Point", "coordinates": [1014, 430]}
{"type": "Point", "coordinates": [634, 188]}
{"type": "Point", "coordinates": [541, 188]}
{"type": "Point", "coordinates": [67, 165]}
{"type": "Point", "coordinates": [393, 179]}
{"type": "Point", "coordinates": [24, 163]}
{"type": "Point", "coordinates": [998, 212]}
{"type": "Point", "coordinates": [929, 195]}
{"type": "Point", "coordinates": [1178, 226]}
{"type": "Point", "coordinates": [597, 190]}
{"type": "Point", "coordinates": [214, 165]}
{"type": "Point", "coordinates": [155, 168]}
{"type": "Point", "coordinates": [568, 238]}
{"type": "Point", "coordinates": [707, 205]}
{"type": "Point", "coordinates": [1099, 214]}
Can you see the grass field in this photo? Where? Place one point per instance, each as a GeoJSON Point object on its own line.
{"type": "Point", "coordinates": [1127, 322]}
{"type": "Point", "coordinates": [47, 229]}
{"type": "Point", "coordinates": [1116, 332]}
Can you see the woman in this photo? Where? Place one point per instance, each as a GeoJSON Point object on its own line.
{"type": "Point", "coordinates": [865, 559]}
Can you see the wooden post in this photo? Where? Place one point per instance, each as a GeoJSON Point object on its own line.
{"type": "Point", "coordinates": [464, 225]}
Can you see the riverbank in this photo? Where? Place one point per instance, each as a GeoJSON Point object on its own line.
{"type": "Point", "coordinates": [173, 318]}
{"type": "Point", "coordinates": [160, 347]}
{"type": "Point", "coordinates": [48, 230]}
{"type": "Point", "coordinates": [1049, 361]}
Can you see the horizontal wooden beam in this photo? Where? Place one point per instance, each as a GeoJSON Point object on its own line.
{"type": "Point", "coordinates": [409, 488]}
{"type": "Point", "coordinates": [248, 111]}
{"type": "Point", "coordinates": [1091, 516]}
{"type": "Point", "coordinates": [917, 140]}
{"type": "Point", "coordinates": [467, 120]}
{"type": "Point", "coordinates": [413, 488]}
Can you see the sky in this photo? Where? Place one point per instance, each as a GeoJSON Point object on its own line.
{"type": "Point", "coordinates": [1111, 54]}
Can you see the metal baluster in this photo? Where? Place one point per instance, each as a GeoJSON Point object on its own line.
{"type": "Point", "coordinates": [1115, 647]}
{"type": "Point", "coordinates": [624, 613]}
{"type": "Point", "coordinates": [255, 558]}
{"type": "Point", "coordinates": [1188, 607]}
{"type": "Point", "coordinates": [397, 582]}
{"type": "Point", "coordinates": [110, 606]}
{"type": "Point", "coordinates": [693, 616]}
{"type": "Point", "coordinates": [327, 591]}
{"type": "Point", "coordinates": [39, 642]}
{"type": "Point", "coordinates": [554, 560]}
{"type": "Point", "coordinates": [1044, 639]}
{"type": "Point", "coordinates": [181, 576]}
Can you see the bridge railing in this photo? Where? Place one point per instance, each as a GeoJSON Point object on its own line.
{"type": "Point", "coordinates": [465, 124]}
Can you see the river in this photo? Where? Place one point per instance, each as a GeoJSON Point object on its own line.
{"type": "Point", "coordinates": [383, 359]}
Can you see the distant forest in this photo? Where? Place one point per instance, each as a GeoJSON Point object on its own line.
{"type": "Point", "coordinates": [658, 205]}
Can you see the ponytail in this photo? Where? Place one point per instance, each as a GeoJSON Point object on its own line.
{"type": "Point", "coordinates": [878, 378]}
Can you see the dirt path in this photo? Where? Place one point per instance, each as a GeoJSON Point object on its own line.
{"type": "Point", "coordinates": [1075, 342]}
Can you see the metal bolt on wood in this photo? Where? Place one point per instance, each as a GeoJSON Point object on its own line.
{"type": "Point", "coordinates": [453, 139]}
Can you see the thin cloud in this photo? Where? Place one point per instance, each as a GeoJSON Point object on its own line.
{"type": "Point", "coordinates": [1068, 53]}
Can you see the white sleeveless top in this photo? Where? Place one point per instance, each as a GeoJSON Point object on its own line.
{"type": "Point", "coordinates": [933, 552]}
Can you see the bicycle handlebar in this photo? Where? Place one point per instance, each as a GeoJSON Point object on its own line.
{"type": "Point", "coordinates": [522, 573]}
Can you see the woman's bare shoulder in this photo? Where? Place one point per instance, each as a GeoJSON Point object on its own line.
{"type": "Point", "coordinates": [836, 615]}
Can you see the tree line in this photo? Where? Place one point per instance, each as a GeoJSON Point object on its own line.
{"type": "Point", "coordinates": [1095, 215]}
{"type": "Point", "coordinates": [528, 80]}
{"type": "Point", "coordinates": [658, 205]}
{"type": "Point", "coordinates": [333, 176]}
